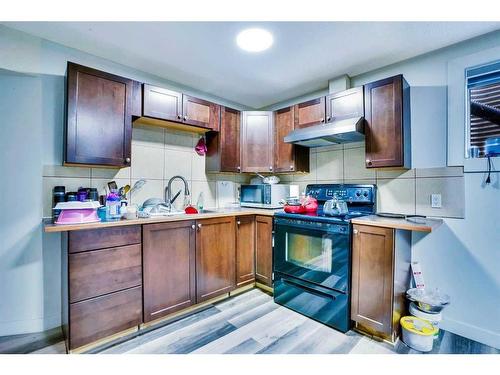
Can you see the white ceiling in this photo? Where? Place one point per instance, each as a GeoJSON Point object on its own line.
{"type": "Point", "coordinates": [204, 55]}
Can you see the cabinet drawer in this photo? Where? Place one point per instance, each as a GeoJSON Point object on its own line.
{"type": "Point", "coordinates": [103, 316]}
{"type": "Point", "coordinates": [94, 273]}
{"type": "Point", "coordinates": [92, 239]}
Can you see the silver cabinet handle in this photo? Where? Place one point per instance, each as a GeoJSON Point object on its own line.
{"type": "Point", "coordinates": [328, 119]}
{"type": "Point", "coordinates": [355, 231]}
{"type": "Point", "coordinates": [238, 222]}
{"type": "Point", "coordinates": [321, 119]}
{"type": "Point", "coordinates": [199, 226]}
{"type": "Point", "coordinates": [127, 160]}
{"type": "Point", "coordinates": [179, 117]}
{"type": "Point", "coordinates": [185, 118]}
{"type": "Point", "coordinates": [238, 168]}
{"type": "Point", "coordinates": [291, 167]}
{"type": "Point", "coordinates": [368, 162]}
{"type": "Point", "coordinates": [193, 226]}
{"type": "Point", "coordinates": [270, 167]}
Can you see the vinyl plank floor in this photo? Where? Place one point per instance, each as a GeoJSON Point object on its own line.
{"type": "Point", "coordinates": [252, 323]}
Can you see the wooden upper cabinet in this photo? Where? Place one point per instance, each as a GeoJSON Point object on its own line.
{"type": "Point", "coordinates": [230, 140]}
{"type": "Point", "coordinates": [345, 104]}
{"type": "Point", "coordinates": [387, 130]}
{"type": "Point", "coordinates": [223, 147]}
{"type": "Point", "coordinates": [215, 257]}
{"type": "Point", "coordinates": [99, 120]}
{"type": "Point", "coordinates": [288, 157]}
{"type": "Point", "coordinates": [264, 250]}
{"type": "Point", "coordinates": [257, 141]}
{"type": "Point", "coordinates": [168, 268]}
{"type": "Point", "coordinates": [310, 113]}
{"type": "Point", "coordinates": [245, 250]}
{"type": "Point", "coordinates": [199, 112]}
{"type": "Point", "coordinates": [161, 103]}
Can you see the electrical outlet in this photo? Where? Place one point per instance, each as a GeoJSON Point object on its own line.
{"type": "Point", "coordinates": [436, 201]}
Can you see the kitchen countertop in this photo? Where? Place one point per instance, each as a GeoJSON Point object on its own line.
{"type": "Point", "coordinates": [50, 227]}
{"type": "Point", "coordinates": [377, 221]}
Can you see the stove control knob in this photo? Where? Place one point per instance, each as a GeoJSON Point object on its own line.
{"type": "Point", "coordinates": [365, 193]}
{"type": "Point", "coordinates": [358, 193]}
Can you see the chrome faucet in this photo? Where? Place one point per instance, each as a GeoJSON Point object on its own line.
{"type": "Point", "coordinates": [168, 191]}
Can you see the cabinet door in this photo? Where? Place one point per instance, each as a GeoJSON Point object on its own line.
{"type": "Point", "coordinates": [284, 153]}
{"type": "Point", "coordinates": [199, 112]}
{"type": "Point", "coordinates": [99, 121]}
{"type": "Point", "coordinates": [345, 104]}
{"type": "Point", "coordinates": [168, 268]}
{"type": "Point", "coordinates": [230, 140]}
{"type": "Point", "coordinates": [103, 316]}
{"type": "Point", "coordinates": [245, 250]}
{"type": "Point", "coordinates": [372, 278]}
{"type": "Point", "coordinates": [257, 141]}
{"type": "Point", "coordinates": [161, 103]}
{"type": "Point", "coordinates": [215, 257]}
{"type": "Point", "coordinates": [384, 123]}
{"type": "Point", "coordinates": [310, 113]}
{"type": "Point", "coordinates": [264, 250]}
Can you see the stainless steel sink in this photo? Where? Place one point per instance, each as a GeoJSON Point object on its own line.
{"type": "Point", "coordinates": [207, 211]}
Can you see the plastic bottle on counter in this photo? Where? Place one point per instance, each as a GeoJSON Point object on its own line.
{"type": "Point", "coordinates": [113, 205]}
{"type": "Point", "coordinates": [199, 202]}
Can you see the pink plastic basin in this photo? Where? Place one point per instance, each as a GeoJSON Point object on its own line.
{"type": "Point", "coordinates": [78, 216]}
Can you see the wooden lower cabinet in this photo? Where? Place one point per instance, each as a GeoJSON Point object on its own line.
{"type": "Point", "coordinates": [110, 287]}
{"type": "Point", "coordinates": [264, 250]}
{"type": "Point", "coordinates": [103, 316]}
{"type": "Point", "coordinates": [245, 250]}
{"type": "Point", "coordinates": [380, 278]}
{"type": "Point", "coordinates": [168, 268]}
{"type": "Point", "coordinates": [101, 284]}
{"type": "Point", "coordinates": [99, 272]}
{"type": "Point", "coordinates": [215, 257]}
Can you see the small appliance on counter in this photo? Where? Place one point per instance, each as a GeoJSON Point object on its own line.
{"type": "Point", "coordinates": [77, 212]}
{"type": "Point", "coordinates": [266, 195]}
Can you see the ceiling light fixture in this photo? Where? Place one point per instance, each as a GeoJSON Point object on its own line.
{"type": "Point", "coordinates": [254, 40]}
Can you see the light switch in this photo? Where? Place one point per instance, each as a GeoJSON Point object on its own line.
{"type": "Point", "coordinates": [436, 201]}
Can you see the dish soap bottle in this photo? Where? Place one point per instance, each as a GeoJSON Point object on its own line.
{"type": "Point", "coordinates": [199, 202]}
{"type": "Point", "coordinates": [113, 205]}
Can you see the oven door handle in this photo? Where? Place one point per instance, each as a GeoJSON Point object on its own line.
{"type": "Point", "coordinates": [310, 289]}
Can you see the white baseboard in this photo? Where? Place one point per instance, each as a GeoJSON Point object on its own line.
{"type": "Point", "coordinates": [472, 332]}
{"type": "Point", "coordinates": [19, 327]}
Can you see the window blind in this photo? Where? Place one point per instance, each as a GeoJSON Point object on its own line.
{"type": "Point", "coordinates": [483, 84]}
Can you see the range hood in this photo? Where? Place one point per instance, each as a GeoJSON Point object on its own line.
{"type": "Point", "coordinates": [342, 131]}
{"type": "Point", "coordinates": [345, 122]}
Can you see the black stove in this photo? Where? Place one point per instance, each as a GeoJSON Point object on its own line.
{"type": "Point", "coordinates": [312, 254]}
{"type": "Point", "coordinates": [360, 201]}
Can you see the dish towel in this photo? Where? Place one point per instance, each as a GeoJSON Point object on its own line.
{"type": "Point", "coordinates": [201, 147]}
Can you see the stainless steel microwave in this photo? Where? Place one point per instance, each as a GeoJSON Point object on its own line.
{"type": "Point", "coordinates": [266, 195]}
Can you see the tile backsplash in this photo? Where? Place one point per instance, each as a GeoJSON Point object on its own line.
{"type": "Point", "coordinates": [157, 155]}
{"type": "Point", "coordinates": [399, 191]}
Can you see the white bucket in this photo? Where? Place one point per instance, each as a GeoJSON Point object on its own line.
{"type": "Point", "coordinates": [434, 319]}
{"type": "Point", "coordinates": [418, 333]}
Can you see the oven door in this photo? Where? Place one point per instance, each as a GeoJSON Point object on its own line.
{"type": "Point", "coordinates": [312, 251]}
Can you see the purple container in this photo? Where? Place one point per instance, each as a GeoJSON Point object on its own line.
{"type": "Point", "coordinates": [81, 195]}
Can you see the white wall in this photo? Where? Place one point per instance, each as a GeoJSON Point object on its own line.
{"type": "Point", "coordinates": [32, 84]}
{"type": "Point", "coordinates": [462, 257]}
